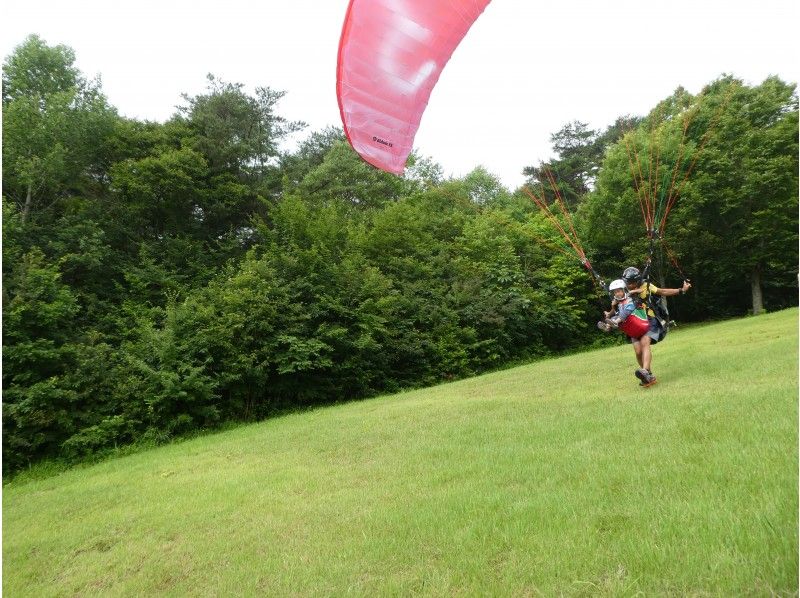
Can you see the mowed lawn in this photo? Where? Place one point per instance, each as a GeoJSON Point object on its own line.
{"type": "Point", "coordinates": [562, 477]}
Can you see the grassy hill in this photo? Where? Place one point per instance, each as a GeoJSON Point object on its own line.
{"type": "Point", "coordinates": [557, 478]}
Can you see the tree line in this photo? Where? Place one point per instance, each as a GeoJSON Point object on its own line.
{"type": "Point", "coordinates": [165, 278]}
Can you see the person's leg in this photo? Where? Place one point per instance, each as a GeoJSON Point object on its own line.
{"type": "Point", "coordinates": [637, 347]}
{"type": "Point", "coordinates": [646, 353]}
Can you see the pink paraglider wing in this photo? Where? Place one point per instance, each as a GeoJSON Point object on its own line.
{"type": "Point", "coordinates": [391, 54]}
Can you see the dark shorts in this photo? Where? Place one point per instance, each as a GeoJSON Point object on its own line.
{"type": "Point", "coordinates": [656, 332]}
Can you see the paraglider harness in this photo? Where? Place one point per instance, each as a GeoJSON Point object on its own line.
{"type": "Point", "coordinates": [655, 303]}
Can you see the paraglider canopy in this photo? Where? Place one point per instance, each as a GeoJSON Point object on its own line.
{"type": "Point", "coordinates": [391, 54]}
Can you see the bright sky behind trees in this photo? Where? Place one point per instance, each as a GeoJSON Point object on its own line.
{"type": "Point", "coordinates": [525, 69]}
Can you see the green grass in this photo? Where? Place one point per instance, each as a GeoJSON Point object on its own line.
{"type": "Point", "coordinates": [557, 478]}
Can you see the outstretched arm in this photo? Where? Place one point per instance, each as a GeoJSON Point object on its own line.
{"type": "Point", "coordinates": [672, 292]}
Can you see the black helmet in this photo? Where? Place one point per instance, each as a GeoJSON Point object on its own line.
{"type": "Point", "coordinates": [632, 275]}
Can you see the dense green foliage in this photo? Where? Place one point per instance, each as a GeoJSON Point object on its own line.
{"type": "Point", "coordinates": [161, 278]}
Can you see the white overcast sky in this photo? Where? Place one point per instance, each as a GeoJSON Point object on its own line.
{"type": "Point", "coordinates": [525, 68]}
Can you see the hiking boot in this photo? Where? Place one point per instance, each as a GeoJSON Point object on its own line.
{"type": "Point", "coordinates": [646, 377]}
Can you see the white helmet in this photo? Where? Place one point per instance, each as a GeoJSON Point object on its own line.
{"type": "Point", "coordinates": [617, 284]}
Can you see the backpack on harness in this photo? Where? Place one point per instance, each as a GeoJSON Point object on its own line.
{"type": "Point", "coordinates": [659, 308]}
